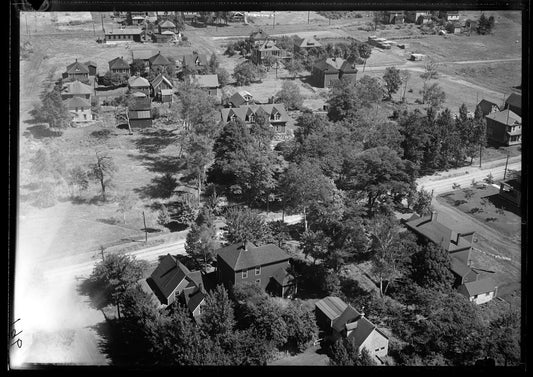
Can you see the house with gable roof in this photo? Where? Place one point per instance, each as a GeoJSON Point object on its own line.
{"type": "Point", "coordinates": [242, 97]}
{"type": "Point", "coordinates": [77, 71]}
{"type": "Point", "coordinates": [307, 43]}
{"type": "Point", "coordinates": [159, 61]}
{"type": "Point", "coordinates": [167, 26]}
{"type": "Point", "coordinates": [76, 89]}
{"type": "Point", "coordinates": [514, 103]}
{"type": "Point", "coordinates": [144, 56]}
{"type": "Point", "coordinates": [326, 71]}
{"type": "Point", "coordinates": [504, 127]}
{"type": "Point", "coordinates": [265, 265]}
{"type": "Point", "coordinates": [139, 84]}
{"type": "Point", "coordinates": [119, 65]}
{"type": "Point", "coordinates": [341, 320]}
{"type": "Point", "coordinates": [195, 62]}
{"type": "Point", "coordinates": [208, 83]}
{"type": "Point", "coordinates": [276, 114]}
{"type": "Point", "coordinates": [480, 291]}
{"type": "Point", "coordinates": [488, 107]}
{"type": "Point", "coordinates": [140, 111]}
{"type": "Point", "coordinates": [80, 108]}
{"type": "Point", "coordinates": [162, 88]}
{"type": "Point", "coordinates": [264, 50]}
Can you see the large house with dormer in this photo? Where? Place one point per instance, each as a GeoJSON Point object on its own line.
{"type": "Point", "coordinates": [326, 71]}
{"type": "Point", "coordinates": [77, 71]}
{"type": "Point", "coordinates": [275, 113]}
{"type": "Point", "coordinates": [265, 50]}
{"type": "Point", "coordinates": [504, 127]}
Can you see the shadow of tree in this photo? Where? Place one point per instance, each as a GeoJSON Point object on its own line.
{"type": "Point", "coordinates": [40, 131]}
{"type": "Point", "coordinates": [160, 164]}
{"type": "Point", "coordinates": [351, 288]}
{"type": "Point", "coordinates": [151, 230]}
{"type": "Point", "coordinates": [174, 226]}
{"type": "Point", "coordinates": [499, 202]}
{"type": "Point", "coordinates": [153, 141]}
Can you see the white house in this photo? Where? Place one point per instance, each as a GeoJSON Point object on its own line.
{"type": "Point", "coordinates": [80, 108]}
{"type": "Point", "coordinates": [479, 291]}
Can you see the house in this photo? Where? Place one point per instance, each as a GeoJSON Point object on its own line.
{"type": "Point", "coordinates": [458, 244]}
{"type": "Point", "coordinates": [92, 67]}
{"type": "Point", "coordinates": [195, 62]}
{"type": "Point", "coordinates": [144, 56]}
{"type": "Point", "coordinates": [76, 89]}
{"type": "Point", "coordinates": [480, 291]}
{"type": "Point", "coordinates": [264, 265]}
{"type": "Point", "coordinates": [159, 62]}
{"type": "Point", "coordinates": [166, 26]}
{"type": "Point", "coordinates": [119, 65]}
{"type": "Point", "coordinates": [77, 71]}
{"type": "Point", "coordinates": [259, 36]}
{"type": "Point", "coordinates": [138, 20]}
{"type": "Point", "coordinates": [164, 37]}
{"type": "Point", "coordinates": [242, 97]}
{"type": "Point", "coordinates": [123, 35]}
{"type": "Point", "coordinates": [139, 84]}
{"type": "Point", "coordinates": [504, 128]}
{"type": "Point", "coordinates": [264, 50]}
{"type": "Point", "coordinates": [417, 57]}
{"type": "Point", "coordinates": [80, 108]}
{"type": "Point", "coordinates": [208, 83]}
{"type": "Point", "coordinates": [488, 107]}
{"type": "Point", "coordinates": [449, 15]}
{"type": "Point", "coordinates": [345, 322]}
{"type": "Point", "coordinates": [393, 17]}
{"type": "Point", "coordinates": [236, 17]}
{"type": "Point", "coordinates": [511, 191]}
{"type": "Point", "coordinates": [172, 281]}
{"type": "Point", "coordinates": [514, 103]}
{"type": "Point", "coordinates": [308, 42]}
{"type": "Point", "coordinates": [418, 17]}
{"type": "Point", "coordinates": [275, 113]}
{"type": "Point", "coordinates": [325, 71]}
{"type": "Point", "coordinates": [160, 83]}
{"type": "Point", "coordinates": [140, 111]}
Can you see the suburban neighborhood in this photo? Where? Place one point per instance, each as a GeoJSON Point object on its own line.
{"type": "Point", "coordinates": [281, 188]}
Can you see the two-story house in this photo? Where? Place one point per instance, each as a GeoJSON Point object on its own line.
{"type": "Point", "coordinates": [275, 113]}
{"type": "Point", "coordinates": [162, 88]}
{"type": "Point", "coordinates": [326, 71]}
{"type": "Point", "coordinates": [208, 83]}
{"type": "Point", "coordinates": [76, 89]}
{"type": "Point", "coordinates": [139, 84]}
{"type": "Point", "coordinates": [140, 111]}
{"type": "Point", "coordinates": [265, 265]}
{"type": "Point", "coordinates": [159, 62]}
{"type": "Point", "coordinates": [80, 108]}
{"type": "Point", "coordinates": [488, 107]}
{"type": "Point", "coordinates": [264, 50]}
{"type": "Point", "coordinates": [166, 26]}
{"type": "Point", "coordinates": [144, 56]}
{"type": "Point", "coordinates": [242, 97]}
{"type": "Point", "coordinates": [77, 71]}
{"type": "Point", "coordinates": [307, 43]}
{"type": "Point", "coordinates": [340, 320]}
{"type": "Point", "coordinates": [119, 65]}
{"type": "Point", "coordinates": [504, 127]}
{"type": "Point", "coordinates": [195, 62]}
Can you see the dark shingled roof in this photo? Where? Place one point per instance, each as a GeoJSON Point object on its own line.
{"type": "Point", "coordinates": [159, 59]}
{"type": "Point", "coordinates": [480, 286]}
{"type": "Point", "coordinates": [514, 100]}
{"type": "Point", "coordinates": [240, 257]}
{"type": "Point", "coordinates": [75, 102]}
{"type": "Point", "coordinates": [169, 274]}
{"type": "Point", "coordinates": [282, 276]}
{"type": "Point", "coordinates": [505, 117]}
{"type": "Point", "coordinates": [241, 112]}
{"type": "Point", "coordinates": [118, 63]}
{"type": "Point", "coordinates": [159, 79]}
{"type": "Point", "coordinates": [325, 67]}
{"type": "Point", "coordinates": [190, 60]}
{"type": "Point", "coordinates": [331, 306]}
{"type": "Point", "coordinates": [487, 106]}
{"type": "Point", "coordinates": [361, 327]}
{"type": "Point", "coordinates": [77, 67]}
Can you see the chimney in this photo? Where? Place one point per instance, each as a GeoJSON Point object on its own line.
{"type": "Point", "coordinates": [242, 246]}
{"type": "Point", "coordinates": [362, 311]}
{"type": "Point", "coordinates": [433, 216]}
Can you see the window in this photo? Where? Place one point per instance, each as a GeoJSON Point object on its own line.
{"type": "Point", "coordinates": [85, 116]}
{"type": "Point", "coordinates": [258, 281]}
{"type": "Point", "coordinates": [244, 274]}
{"type": "Point", "coordinates": [382, 348]}
{"type": "Point", "coordinates": [251, 117]}
{"type": "Point", "coordinates": [258, 270]}
{"type": "Point", "coordinates": [376, 350]}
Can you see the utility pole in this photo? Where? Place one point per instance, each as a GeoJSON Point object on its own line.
{"type": "Point", "coordinates": [506, 163]}
{"type": "Point", "coordinates": [102, 19]}
{"type": "Point", "coordinates": [480, 153]}
{"type": "Point", "coordinates": [308, 16]}
{"type": "Point", "coordinates": [145, 230]}
{"type": "Point", "coordinates": [274, 20]}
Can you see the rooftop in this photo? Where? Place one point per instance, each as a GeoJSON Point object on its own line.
{"type": "Point", "coordinates": [480, 286]}
{"type": "Point", "coordinates": [137, 81]}
{"type": "Point", "coordinates": [168, 275]}
{"type": "Point", "coordinates": [241, 111]}
{"type": "Point", "coordinates": [118, 63]}
{"type": "Point", "coordinates": [506, 117]}
{"type": "Point", "coordinates": [514, 100]}
{"type": "Point", "coordinates": [76, 87]}
{"type": "Point", "coordinates": [77, 67]}
{"type": "Point", "coordinates": [204, 81]}
{"type": "Point", "coordinates": [331, 306]}
{"type": "Point", "coordinates": [244, 256]}
{"type": "Point", "coordinates": [75, 102]}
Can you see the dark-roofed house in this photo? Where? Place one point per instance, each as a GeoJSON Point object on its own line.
{"type": "Point", "coordinates": [264, 50]}
{"type": "Point", "coordinates": [514, 103]}
{"type": "Point", "coordinates": [418, 16]}
{"type": "Point", "coordinates": [143, 55]}
{"type": "Point", "coordinates": [92, 67]}
{"type": "Point", "coordinates": [458, 244]}
{"type": "Point", "coordinates": [163, 37]}
{"type": "Point", "coordinates": [80, 108]}
{"type": "Point", "coordinates": [139, 84]}
{"type": "Point", "coordinates": [259, 36]}
{"type": "Point", "coordinates": [209, 83]}
{"type": "Point", "coordinates": [172, 281]}
{"type": "Point", "coordinates": [76, 89]}
{"type": "Point", "coordinates": [77, 71]}
{"type": "Point", "coordinates": [244, 262]}
{"type": "Point", "coordinates": [504, 127]}
{"type": "Point", "coordinates": [351, 325]}
{"type": "Point", "coordinates": [119, 65]}
{"type": "Point", "coordinates": [325, 71]}
{"type": "Point", "coordinates": [488, 107]}
{"type": "Point", "coordinates": [123, 35]}
{"type": "Point", "coordinates": [159, 61]}
{"type": "Point", "coordinates": [159, 84]}
{"type": "Point", "coordinates": [308, 42]}
{"type": "Point", "coordinates": [276, 114]}
{"type": "Point", "coordinates": [393, 17]}
{"type": "Point", "coordinates": [242, 97]}
{"type": "Point", "coordinates": [479, 291]}
{"type": "Point", "coordinates": [140, 111]}
{"type": "Point", "coordinates": [195, 62]}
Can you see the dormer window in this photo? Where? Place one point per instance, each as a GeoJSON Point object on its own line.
{"type": "Point", "coordinates": [251, 118]}
{"type": "Point", "coordinates": [232, 117]}
{"type": "Point", "coordinates": [275, 116]}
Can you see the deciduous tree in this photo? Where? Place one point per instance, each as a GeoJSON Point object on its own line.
{"type": "Point", "coordinates": [392, 80]}
{"type": "Point", "coordinates": [103, 171]}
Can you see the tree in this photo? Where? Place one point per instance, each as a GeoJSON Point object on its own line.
{"type": "Point", "coordinates": [113, 79]}
{"type": "Point", "coordinates": [433, 95]}
{"type": "Point", "coordinates": [77, 178]}
{"type": "Point", "coordinates": [289, 95]}
{"type": "Point", "coordinates": [294, 66]}
{"type": "Point", "coordinates": [364, 52]}
{"type": "Point", "coordinates": [164, 217]}
{"type": "Point", "coordinates": [246, 72]}
{"type": "Point", "coordinates": [245, 225]}
{"type": "Point", "coordinates": [201, 243]}
{"type": "Point", "coordinates": [392, 80]}
{"type": "Point", "coordinates": [166, 184]}
{"type": "Point", "coordinates": [422, 202]}
{"type": "Point", "coordinates": [404, 76]}
{"type": "Point", "coordinates": [430, 71]}
{"type": "Point", "coordinates": [183, 211]}
{"type": "Point", "coordinates": [431, 268]}
{"type": "Point", "coordinates": [223, 77]}
{"type": "Point", "coordinates": [485, 25]}
{"type": "Point", "coordinates": [343, 100]}
{"type": "Point", "coordinates": [217, 314]}
{"type": "Point", "coordinates": [197, 111]}
{"type": "Point", "coordinates": [213, 64]}
{"type": "Point", "coordinates": [112, 276]}
{"type": "Point", "coordinates": [369, 90]}
{"type": "Point", "coordinates": [52, 109]}
{"type": "Point", "coordinates": [315, 244]}
{"type": "Point", "coordinates": [309, 123]}
{"type": "Point", "coordinates": [343, 352]}
{"type": "Point", "coordinates": [125, 204]}
{"type": "Point", "coordinates": [504, 339]}
{"type": "Point", "coordinates": [102, 171]}
{"type": "Point", "coordinates": [199, 153]}
{"type": "Point", "coordinates": [301, 326]}
{"type": "Point", "coordinates": [265, 318]}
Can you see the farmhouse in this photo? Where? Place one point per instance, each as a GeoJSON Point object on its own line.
{"type": "Point", "coordinates": [393, 17]}
{"type": "Point", "coordinates": [139, 84]}
{"type": "Point", "coordinates": [480, 291]}
{"type": "Point", "coordinates": [236, 17]}
{"type": "Point", "coordinates": [259, 36]}
{"type": "Point", "coordinates": [76, 89]}
{"type": "Point", "coordinates": [123, 35]}
{"type": "Point", "coordinates": [119, 65]}
{"type": "Point", "coordinates": [264, 265]}
{"type": "Point", "coordinates": [80, 108]}
{"type": "Point", "coordinates": [275, 113]}
{"type": "Point", "coordinates": [488, 107]}
{"type": "Point", "coordinates": [208, 83]}
{"type": "Point", "coordinates": [504, 128]}
{"type": "Point", "coordinates": [139, 111]}
{"type": "Point", "coordinates": [265, 49]}
{"type": "Point", "coordinates": [159, 84]}
{"type": "Point", "coordinates": [514, 103]}
{"type": "Point", "coordinates": [340, 320]}
{"type": "Point", "coordinates": [325, 71]}
{"type": "Point", "coordinates": [164, 37]}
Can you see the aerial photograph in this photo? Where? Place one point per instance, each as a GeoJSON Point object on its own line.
{"type": "Point", "coordinates": [269, 188]}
